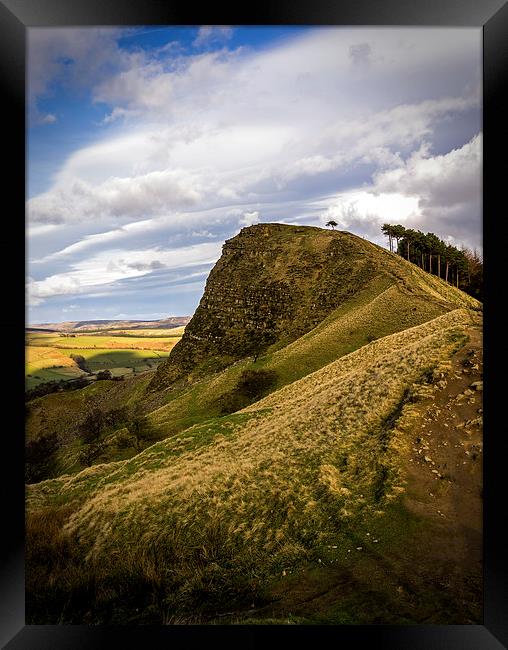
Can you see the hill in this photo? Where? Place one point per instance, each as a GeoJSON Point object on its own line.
{"type": "Point", "coordinates": [99, 325]}
{"type": "Point", "coordinates": [310, 470]}
{"type": "Point", "coordinates": [274, 283]}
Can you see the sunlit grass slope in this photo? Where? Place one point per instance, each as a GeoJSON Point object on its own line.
{"type": "Point", "coordinates": [260, 489]}
{"type": "Point", "coordinates": [388, 304]}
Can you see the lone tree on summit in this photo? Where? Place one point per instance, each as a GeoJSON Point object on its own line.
{"type": "Point", "coordinates": [332, 223]}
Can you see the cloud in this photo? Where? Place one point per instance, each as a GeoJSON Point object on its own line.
{"type": "Point", "coordinates": [71, 57]}
{"type": "Point", "coordinates": [438, 180]}
{"type": "Point", "coordinates": [49, 118]}
{"type": "Point", "coordinates": [208, 34]}
{"type": "Point", "coordinates": [441, 194]}
{"type": "Point", "coordinates": [130, 197]}
{"type": "Point", "coordinates": [143, 266]}
{"type": "Point", "coordinates": [249, 218]}
{"type": "Point", "coordinates": [109, 267]}
{"type": "Point", "coordinates": [360, 53]}
{"type": "Point", "coordinates": [448, 189]}
{"type": "Point", "coordinates": [364, 212]}
{"type": "Point", "coordinates": [335, 123]}
{"type": "Point", "coordinates": [228, 126]}
{"type": "Point", "coordinates": [119, 113]}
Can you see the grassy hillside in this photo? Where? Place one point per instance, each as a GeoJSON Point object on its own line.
{"type": "Point", "coordinates": [384, 306]}
{"type": "Point", "coordinates": [245, 486]}
{"type": "Point", "coordinates": [228, 503]}
{"type": "Point", "coordinates": [398, 296]}
{"type": "Point", "coordinates": [274, 283]}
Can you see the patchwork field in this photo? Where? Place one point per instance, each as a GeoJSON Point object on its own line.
{"type": "Point", "coordinates": [49, 355]}
{"type": "Point", "coordinates": [44, 363]}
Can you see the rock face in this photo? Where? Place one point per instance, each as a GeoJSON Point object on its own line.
{"type": "Point", "coordinates": [272, 284]}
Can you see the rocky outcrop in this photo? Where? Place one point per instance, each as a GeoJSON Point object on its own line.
{"type": "Point", "coordinates": [272, 284]}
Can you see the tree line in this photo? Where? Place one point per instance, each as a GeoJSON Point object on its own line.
{"type": "Point", "coordinates": [463, 268]}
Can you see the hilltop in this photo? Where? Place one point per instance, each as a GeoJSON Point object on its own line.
{"type": "Point", "coordinates": [274, 283]}
{"type": "Point", "coordinates": [253, 486]}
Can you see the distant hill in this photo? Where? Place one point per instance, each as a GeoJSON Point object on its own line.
{"type": "Point", "coordinates": [98, 325]}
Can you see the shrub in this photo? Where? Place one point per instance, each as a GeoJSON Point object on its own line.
{"type": "Point", "coordinates": [80, 362]}
{"type": "Point", "coordinates": [253, 383]}
{"type": "Point", "coordinates": [93, 424]}
{"type": "Point", "coordinates": [40, 458]}
{"type": "Point", "coordinates": [91, 452]}
{"type": "Point", "coordinates": [251, 386]}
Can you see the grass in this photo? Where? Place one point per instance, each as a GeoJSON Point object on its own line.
{"type": "Point", "coordinates": [110, 342]}
{"type": "Point", "coordinates": [48, 355]}
{"type": "Point", "coordinates": [378, 310]}
{"type": "Point", "coordinates": [48, 364]}
{"type": "Point", "coordinates": [209, 518]}
{"type": "Point", "coordinates": [236, 500]}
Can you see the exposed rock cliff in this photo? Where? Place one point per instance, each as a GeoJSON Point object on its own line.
{"type": "Point", "coordinates": [272, 284]}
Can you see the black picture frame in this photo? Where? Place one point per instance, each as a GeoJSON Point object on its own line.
{"type": "Point", "coordinates": [18, 15]}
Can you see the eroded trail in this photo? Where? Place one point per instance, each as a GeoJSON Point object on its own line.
{"type": "Point", "coordinates": [422, 561]}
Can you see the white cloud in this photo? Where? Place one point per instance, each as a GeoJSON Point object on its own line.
{"type": "Point", "coordinates": [364, 212]}
{"type": "Point", "coordinates": [49, 118]}
{"type": "Point", "coordinates": [113, 265]}
{"type": "Point", "coordinates": [119, 113]}
{"type": "Point", "coordinates": [438, 181]}
{"type": "Point", "coordinates": [227, 126]}
{"type": "Point", "coordinates": [249, 218]}
{"type": "Point", "coordinates": [437, 193]}
{"type": "Point", "coordinates": [131, 197]}
{"type": "Point", "coordinates": [211, 34]}
{"type": "Point", "coordinates": [335, 123]}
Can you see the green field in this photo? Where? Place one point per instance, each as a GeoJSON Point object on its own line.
{"type": "Point", "coordinates": [48, 355]}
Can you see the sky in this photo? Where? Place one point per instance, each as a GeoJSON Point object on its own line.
{"type": "Point", "coordinates": [148, 147]}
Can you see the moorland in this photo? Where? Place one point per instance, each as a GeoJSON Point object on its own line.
{"type": "Point", "coordinates": [307, 450]}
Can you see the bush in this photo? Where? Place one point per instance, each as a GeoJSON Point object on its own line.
{"type": "Point", "coordinates": [93, 424]}
{"type": "Point", "coordinates": [251, 386]}
{"type": "Point", "coordinates": [104, 374]}
{"type": "Point", "coordinates": [40, 458]}
{"type": "Point", "coordinates": [91, 452]}
{"type": "Point", "coordinates": [139, 426]}
{"type": "Point", "coordinates": [254, 383]}
{"type": "Point", "coordinates": [80, 362]}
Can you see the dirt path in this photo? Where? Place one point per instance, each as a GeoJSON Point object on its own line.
{"type": "Point", "coordinates": [426, 564]}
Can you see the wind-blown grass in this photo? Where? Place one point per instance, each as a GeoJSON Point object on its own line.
{"type": "Point", "coordinates": [238, 498]}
